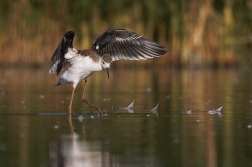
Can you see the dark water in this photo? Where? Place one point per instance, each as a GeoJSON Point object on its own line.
{"type": "Point", "coordinates": [35, 129]}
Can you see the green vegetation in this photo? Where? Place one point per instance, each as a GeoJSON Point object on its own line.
{"type": "Point", "coordinates": [196, 33]}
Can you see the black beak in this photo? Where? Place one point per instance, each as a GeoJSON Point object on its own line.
{"type": "Point", "coordinates": [107, 69]}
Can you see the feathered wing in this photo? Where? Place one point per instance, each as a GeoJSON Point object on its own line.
{"type": "Point", "coordinates": [58, 58]}
{"type": "Point", "coordinates": [124, 44]}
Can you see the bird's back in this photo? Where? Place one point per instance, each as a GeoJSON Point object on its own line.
{"type": "Point", "coordinates": [91, 53]}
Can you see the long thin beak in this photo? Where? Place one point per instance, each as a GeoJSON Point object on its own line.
{"type": "Point", "coordinates": [107, 69]}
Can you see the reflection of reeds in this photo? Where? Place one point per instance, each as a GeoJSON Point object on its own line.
{"type": "Point", "coordinates": [195, 33]}
{"type": "Point", "coordinates": [210, 142]}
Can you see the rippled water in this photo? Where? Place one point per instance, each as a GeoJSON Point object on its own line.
{"type": "Point", "coordinates": [185, 130]}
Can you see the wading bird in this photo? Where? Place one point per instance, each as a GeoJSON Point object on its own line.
{"type": "Point", "coordinates": [112, 45]}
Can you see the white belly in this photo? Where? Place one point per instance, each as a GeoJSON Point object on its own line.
{"type": "Point", "coordinates": [80, 68]}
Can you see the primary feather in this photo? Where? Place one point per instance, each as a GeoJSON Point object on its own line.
{"type": "Point", "coordinates": [125, 44]}
{"type": "Point", "coordinates": [58, 58]}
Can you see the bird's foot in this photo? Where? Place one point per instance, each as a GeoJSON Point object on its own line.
{"type": "Point", "coordinates": [92, 105]}
{"type": "Point", "coordinates": [85, 100]}
{"type": "Point", "coordinates": [100, 113]}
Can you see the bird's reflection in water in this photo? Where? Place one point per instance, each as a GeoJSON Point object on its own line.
{"type": "Point", "coordinates": [74, 151]}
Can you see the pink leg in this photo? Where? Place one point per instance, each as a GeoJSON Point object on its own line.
{"type": "Point", "coordinates": [88, 102]}
{"type": "Point", "coordinates": [71, 101]}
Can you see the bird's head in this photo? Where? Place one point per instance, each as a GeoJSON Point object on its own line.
{"type": "Point", "coordinates": [105, 62]}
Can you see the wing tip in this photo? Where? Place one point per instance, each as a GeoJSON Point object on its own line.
{"type": "Point", "coordinates": [51, 71]}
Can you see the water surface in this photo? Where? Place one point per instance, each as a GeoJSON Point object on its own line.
{"type": "Point", "coordinates": [35, 129]}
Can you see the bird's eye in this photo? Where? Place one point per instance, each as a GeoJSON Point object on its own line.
{"type": "Point", "coordinates": [103, 62]}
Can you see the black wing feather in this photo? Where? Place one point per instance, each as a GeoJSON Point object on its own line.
{"type": "Point", "coordinates": [58, 60]}
{"type": "Point", "coordinates": [124, 44]}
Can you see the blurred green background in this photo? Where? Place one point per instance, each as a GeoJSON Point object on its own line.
{"type": "Point", "coordinates": [196, 33]}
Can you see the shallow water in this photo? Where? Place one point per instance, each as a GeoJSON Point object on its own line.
{"type": "Point", "coordinates": [35, 129]}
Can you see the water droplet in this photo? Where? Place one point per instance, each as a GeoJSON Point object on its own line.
{"type": "Point", "coordinates": [148, 90]}
{"type": "Point", "coordinates": [3, 147]}
{"type": "Point", "coordinates": [189, 112]}
{"type": "Point", "coordinates": [80, 118]}
{"type": "Point", "coordinates": [2, 93]}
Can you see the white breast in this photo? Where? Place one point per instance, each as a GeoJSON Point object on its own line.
{"type": "Point", "coordinates": [80, 68]}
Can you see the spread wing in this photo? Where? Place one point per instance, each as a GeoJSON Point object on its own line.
{"type": "Point", "coordinates": [124, 44]}
{"type": "Point", "coordinates": [58, 59]}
